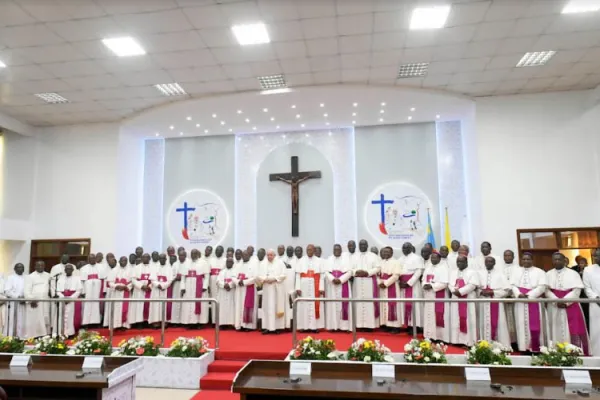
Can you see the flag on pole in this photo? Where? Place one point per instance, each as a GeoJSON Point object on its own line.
{"type": "Point", "coordinates": [430, 235]}
{"type": "Point", "coordinates": [447, 235]}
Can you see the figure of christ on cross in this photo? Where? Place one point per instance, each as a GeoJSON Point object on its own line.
{"type": "Point", "coordinates": [294, 179]}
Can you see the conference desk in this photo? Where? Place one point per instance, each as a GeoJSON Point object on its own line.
{"type": "Point", "coordinates": [268, 380]}
{"type": "Point", "coordinates": [55, 377]}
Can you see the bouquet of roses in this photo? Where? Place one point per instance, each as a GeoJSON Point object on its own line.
{"type": "Point", "coordinates": [188, 347]}
{"type": "Point", "coordinates": [369, 351]}
{"type": "Point", "coordinates": [425, 352]}
{"type": "Point", "coordinates": [91, 345]}
{"type": "Point", "coordinates": [48, 345]}
{"type": "Point", "coordinates": [489, 353]}
{"type": "Point", "coordinates": [562, 354]}
{"type": "Point", "coordinates": [315, 349]}
{"type": "Point", "coordinates": [138, 346]}
{"type": "Point", "coordinates": [11, 344]}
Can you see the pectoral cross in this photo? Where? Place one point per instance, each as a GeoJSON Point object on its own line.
{"type": "Point", "coordinates": [294, 179]}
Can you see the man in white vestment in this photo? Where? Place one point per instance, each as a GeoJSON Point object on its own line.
{"type": "Point", "coordinates": [337, 286]}
{"type": "Point", "coordinates": [179, 270]}
{"type": "Point", "coordinates": [194, 285]}
{"type": "Point", "coordinates": [486, 251]}
{"type": "Point", "coordinates": [227, 282]}
{"type": "Point", "coordinates": [55, 273]}
{"type": "Point", "coordinates": [139, 312]}
{"type": "Point", "coordinates": [310, 283]}
{"type": "Point", "coordinates": [436, 316]}
{"type": "Point", "coordinates": [463, 319]}
{"type": "Point", "coordinates": [351, 253]}
{"type": "Point", "coordinates": [60, 267]}
{"type": "Point", "coordinates": [92, 277]}
{"type": "Point", "coordinates": [15, 316]}
{"type": "Point", "coordinates": [591, 282]}
{"type": "Point", "coordinates": [529, 282]}
{"type": "Point", "coordinates": [120, 284]}
{"type": "Point", "coordinates": [238, 258]}
{"type": "Point", "coordinates": [390, 273]}
{"type": "Point", "coordinates": [216, 263]}
{"type": "Point", "coordinates": [410, 285]}
{"type": "Point", "coordinates": [246, 296]}
{"type": "Point", "coordinates": [509, 267]}
{"type": "Point", "coordinates": [37, 316]}
{"type": "Point", "coordinates": [160, 282]}
{"type": "Point", "coordinates": [565, 320]}
{"type": "Point", "coordinates": [492, 317]}
{"type": "Point", "coordinates": [271, 274]}
{"type": "Point", "coordinates": [111, 263]}
{"type": "Point", "coordinates": [365, 267]}
{"type": "Point", "coordinates": [69, 286]}
{"type": "Point", "coordinates": [453, 255]}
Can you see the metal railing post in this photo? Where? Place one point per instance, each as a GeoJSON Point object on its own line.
{"type": "Point", "coordinates": [544, 327]}
{"type": "Point", "coordinates": [111, 321]}
{"type": "Point", "coordinates": [163, 317]}
{"type": "Point", "coordinates": [353, 305]}
{"type": "Point", "coordinates": [294, 319]}
{"type": "Point", "coordinates": [216, 319]}
{"type": "Point", "coordinates": [413, 317]}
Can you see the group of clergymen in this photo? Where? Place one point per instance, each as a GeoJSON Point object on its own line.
{"type": "Point", "coordinates": [259, 289]}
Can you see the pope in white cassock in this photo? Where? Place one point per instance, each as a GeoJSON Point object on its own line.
{"type": "Point", "coordinates": [14, 288]}
{"type": "Point", "coordinates": [160, 282]}
{"type": "Point", "coordinates": [365, 267]}
{"type": "Point", "coordinates": [410, 285]}
{"type": "Point", "coordinates": [591, 282]}
{"type": "Point", "coordinates": [436, 316]}
{"type": "Point", "coordinates": [337, 286]}
{"type": "Point", "coordinates": [271, 275]}
{"type": "Point", "coordinates": [194, 285]}
{"type": "Point", "coordinates": [69, 286]}
{"type": "Point", "coordinates": [463, 320]}
{"type": "Point", "coordinates": [37, 316]}
{"type": "Point", "coordinates": [119, 281]}
{"type": "Point", "coordinates": [391, 270]}
{"type": "Point", "coordinates": [529, 282]}
{"type": "Point", "coordinates": [565, 320]}
{"type": "Point", "coordinates": [246, 295]}
{"type": "Point", "coordinates": [508, 268]}
{"type": "Point", "coordinates": [227, 282]}
{"type": "Point", "coordinates": [310, 282]}
{"type": "Point", "coordinates": [216, 263]}
{"type": "Point", "coordinates": [179, 270]}
{"type": "Point", "coordinates": [142, 289]}
{"type": "Point", "coordinates": [92, 277]}
{"type": "Point", "coordinates": [492, 317]}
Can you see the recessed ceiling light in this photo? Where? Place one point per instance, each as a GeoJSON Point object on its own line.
{"type": "Point", "coordinates": [180, 133]}
{"type": "Point", "coordinates": [307, 135]}
{"type": "Point", "coordinates": [327, 123]}
{"type": "Point", "coordinates": [276, 91]}
{"type": "Point", "coordinates": [171, 127]}
{"type": "Point", "coordinates": [354, 114]}
{"type": "Point", "coordinates": [53, 98]}
{"type": "Point", "coordinates": [189, 118]}
{"type": "Point", "coordinates": [353, 122]}
{"type": "Point", "coordinates": [438, 116]}
{"type": "Point", "coordinates": [381, 111]}
{"type": "Point", "coordinates": [239, 111]}
{"type": "Point", "coordinates": [321, 105]}
{"type": "Point", "coordinates": [330, 133]}
{"type": "Point", "coordinates": [535, 58]}
{"type": "Point", "coordinates": [325, 115]}
{"type": "Point", "coordinates": [222, 122]}
{"type": "Point", "coordinates": [265, 110]}
{"type": "Point", "coordinates": [253, 128]}
{"type": "Point", "coordinates": [297, 116]}
{"type": "Point", "coordinates": [206, 131]}
{"type": "Point", "coordinates": [581, 6]}
{"type": "Point", "coordinates": [251, 34]}
{"type": "Point", "coordinates": [383, 104]}
{"type": "Point", "coordinates": [170, 89]}
{"type": "Point", "coordinates": [272, 82]}
{"type": "Point", "coordinates": [283, 136]}
{"type": "Point", "coordinates": [412, 70]}
{"type": "Point", "coordinates": [412, 109]}
{"type": "Point", "coordinates": [230, 130]}
{"type": "Point", "coordinates": [429, 17]}
{"type": "Point", "coordinates": [302, 125]}
{"type": "Point", "coordinates": [197, 125]}
{"type": "Point", "coordinates": [124, 46]}
{"type": "Point", "coordinates": [247, 119]}
{"type": "Point", "coordinates": [2, 65]}
{"type": "Point", "coordinates": [262, 138]}
{"type": "Point", "coordinates": [355, 105]}
{"type": "Point", "coordinates": [409, 117]}
{"type": "Point", "coordinates": [214, 115]}
{"type": "Point", "coordinates": [272, 118]}
{"type": "Point", "coordinates": [380, 119]}
{"type": "Point", "coordinates": [277, 127]}
{"type": "Point", "coordinates": [294, 106]}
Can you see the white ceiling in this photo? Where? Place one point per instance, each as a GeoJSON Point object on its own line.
{"type": "Point", "coordinates": [54, 46]}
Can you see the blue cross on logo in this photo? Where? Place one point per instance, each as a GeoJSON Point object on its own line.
{"type": "Point", "coordinates": [185, 210]}
{"type": "Point", "coordinates": [382, 202]}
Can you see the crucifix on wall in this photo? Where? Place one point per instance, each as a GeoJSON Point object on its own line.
{"type": "Point", "coordinates": [294, 179]}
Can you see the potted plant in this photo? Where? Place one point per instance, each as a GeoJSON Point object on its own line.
{"type": "Point", "coordinates": [48, 345]}
{"type": "Point", "coordinates": [488, 353]}
{"type": "Point", "coordinates": [91, 345]}
{"type": "Point", "coordinates": [315, 349]}
{"type": "Point", "coordinates": [369, 351]}
{"type": "Point", "coordinates": [561, 354]}
{"type": "Point", "coordinates": [137, 346]}
{"type": "Point", "coordinates": [425, 352]}
{"type": "Point", "coordinates": [11, 344]}
{"type": "Point", "coordinates": [188, 347]}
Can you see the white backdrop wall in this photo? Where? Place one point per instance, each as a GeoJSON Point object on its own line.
{"type": "Point", "coordinates": [538, 163]}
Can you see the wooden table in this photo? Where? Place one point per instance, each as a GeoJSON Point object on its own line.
{"type": "Point", "coordinates": [54, 377]}
{"type": "Point", "coordinates": [267, 380]}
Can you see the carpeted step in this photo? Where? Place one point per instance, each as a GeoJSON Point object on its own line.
{"type": "Point", "coordinates": [217, 381]}
{"type": "Point", "coordinates": [249, 355]}
{"type": "Point", "coordinates": [215, 395]}
{"type": "Point", "coordinates": [226, 366]}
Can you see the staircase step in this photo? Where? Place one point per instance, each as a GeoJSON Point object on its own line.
{"type": "Point", "coordinates": [216, 395]}
{"type": "Point", "coordinates": [217, 381]}
{"type": "Point", "coordinates": [226, 366]}
{"type": "Point", "coordinates": [247, 356]}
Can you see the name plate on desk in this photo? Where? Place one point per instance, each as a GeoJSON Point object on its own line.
{"type": "Point", "coordinates": [477, 374]}
{"type": "Point", "coordinates": [20, 362]}
{"type": "Point", "coordinates": [383, 370]}
{"type": "Point", "coordinates": [93, 363]}
{"type": "Point", "coordinates": [300, 368]}
{"type": "Point", "coordinates": [576, 377]}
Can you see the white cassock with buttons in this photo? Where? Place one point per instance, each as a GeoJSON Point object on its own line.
{"type": "Point", "coordinates": [492, 316]}
{"type": "Point", "coordinates": [367, 314]}
{"type": "Point", "coordinates": [310, 274]}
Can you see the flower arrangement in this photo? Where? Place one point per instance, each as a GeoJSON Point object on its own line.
{"type": "Point", "coordinates": [48, 345]}
{"type": "Point", "coordinates": [561, 354]}
{"type": "Point", "coordinates": [188, 347]}
{"type": "Point", "coordinates": [488, 353]}
{"type": "Point", "coordinates": [137, 346]}
{"type": "Point", "coordinates": [91, 345]}
{"type": "Point", "coordinates": [11, 344]}
{"type": "Point", "coordinates": [425, 352]}
{"type": "Point", "coordinates": [369, 351]}
{"type": "Point", "coordinates": [315, 349]}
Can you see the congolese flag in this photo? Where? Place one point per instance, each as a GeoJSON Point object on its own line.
{"type": "Point", "coordinates": [430, 235]}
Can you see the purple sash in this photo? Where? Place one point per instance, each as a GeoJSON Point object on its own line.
{"type": "Point", "coordinates": [391, 294]}
{"type": "Point", "coordinates": [534, 322]}
{"type": "Point", "coordinates": [146, 309]}
{"type": "Point", "coordinates": [439, 306]}
{"type": "Point", "coordinates": [462, 308]}
{"type": "Point", "coordinates": [199, 284]}
{"type": "Point", "coordinates": [248, 301]}
{"type": "Point", "coordinates": [576, 322]}
{"type": "Point", "coordinates": [494, 314]}
{"type": "Point", "coordinates": [345, 294]}
{"type": "Point", "coordinates": [169, 304]}
{"type": "Point", "coordinates": [408, 293]}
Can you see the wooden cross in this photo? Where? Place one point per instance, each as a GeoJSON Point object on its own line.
{"type": "Point", "coordinates": [294, 179]}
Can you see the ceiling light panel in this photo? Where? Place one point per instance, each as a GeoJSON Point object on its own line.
{"type": "Point", "coordinates": [170, 89]}
{"type": "Point", "coordinates": [249, 34]}
{"type": "Point", "coordinates": [53, 98]}
{"type": "Point", "coordinates": [413, 70]}
{"type": "Point", "coordinates": [581, 6]}
{"type": "Point", "coordinates": [124, 46]}
{"type": "Point", "coordinates": [429, 17]}
{"type": "Point", "coordinates": [535, 58]}
{"type": "Point", "coordinates": [2, 65]}
{"type": "Point", "coordinates": [272, 82]}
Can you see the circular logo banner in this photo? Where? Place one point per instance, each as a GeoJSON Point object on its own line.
{"type": "Point", "coordinates": [396, 213]}
{"type": "Point", "coordinates": [197, 217]}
